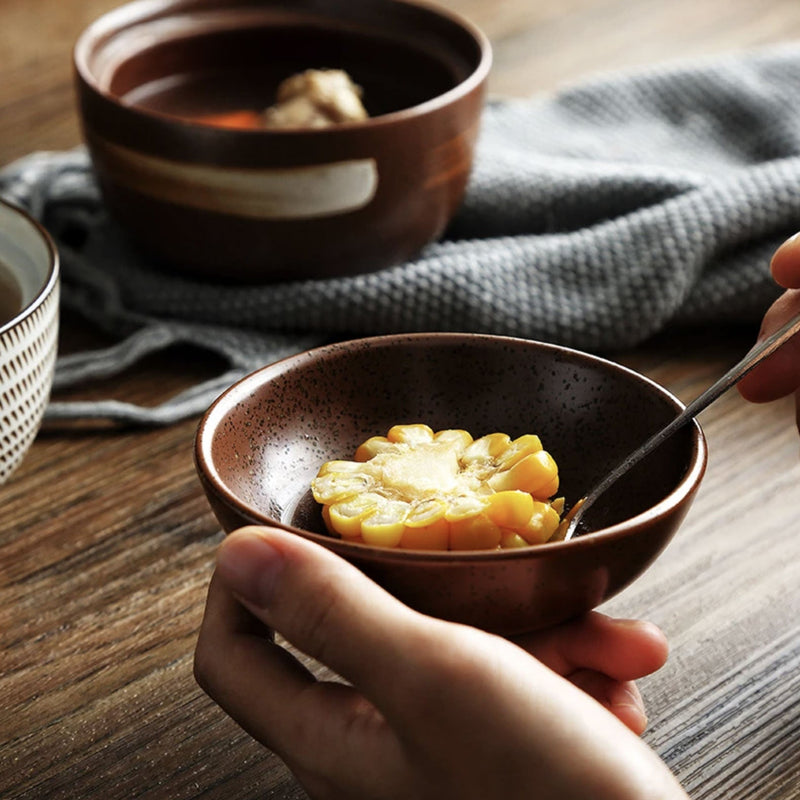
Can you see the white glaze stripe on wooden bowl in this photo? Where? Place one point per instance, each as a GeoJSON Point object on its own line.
{"type": "Point", "coordinates": [305, 192]}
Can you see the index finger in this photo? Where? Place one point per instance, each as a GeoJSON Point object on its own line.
{"type": "Point", "coordinates": [778, 375]}
{"type": "Point", "coordinates": [621, 649]}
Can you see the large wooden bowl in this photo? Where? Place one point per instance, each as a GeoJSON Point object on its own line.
{"type": "Point", "coordinates": [262, 205]}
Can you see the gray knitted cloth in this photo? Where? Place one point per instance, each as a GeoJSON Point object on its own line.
{"type": "Point", "coordinates": [595, 217]}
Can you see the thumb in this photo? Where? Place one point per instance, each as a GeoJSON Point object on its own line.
{"type": "Point", "coordinates": [323, 606]}
{"type": "Point", "coordinates": [779, 375]}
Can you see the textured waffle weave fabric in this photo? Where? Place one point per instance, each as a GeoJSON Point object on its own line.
{"type": "Point", "coordinates": [595, 217]}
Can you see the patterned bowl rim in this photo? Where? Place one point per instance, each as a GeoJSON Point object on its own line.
{"type": "Point", "coordinates": [53, 269]}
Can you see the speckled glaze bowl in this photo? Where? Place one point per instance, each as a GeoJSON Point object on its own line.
{"type": "Point", "coordinates": [261, 205]}
{"type": "Point", "coordinates": [261, 443]}
{"type": "Point", "coordinates": [29, 291]}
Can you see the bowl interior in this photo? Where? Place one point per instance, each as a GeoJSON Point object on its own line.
{"type": "Point", "coordinates": [273, 430]}
{"type": "Point", "coordinates": [197, 58]}
{"type": "Point", "coordinates": [26, 263]}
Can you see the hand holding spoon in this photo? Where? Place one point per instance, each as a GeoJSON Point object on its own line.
{"type": "Point", "coordinates": [754, 356]}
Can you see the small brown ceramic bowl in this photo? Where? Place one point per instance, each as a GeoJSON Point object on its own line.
{"type": "Point", "coordinates": [257, 205]}
{"type": "Point", "coordinates": [261, 443]}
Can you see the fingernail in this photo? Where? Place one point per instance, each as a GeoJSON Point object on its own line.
{"type": "Point", "coordinates": [623, 622]}
{"type": "Point", "coordinates": [626, 695]}
{"type": "Point", "coordinates": [250, 566]}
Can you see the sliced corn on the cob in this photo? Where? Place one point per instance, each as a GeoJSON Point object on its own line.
{"type": "Point", "coordinates": [417, 489]}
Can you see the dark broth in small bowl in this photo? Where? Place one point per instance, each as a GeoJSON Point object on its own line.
{"type": "Point", "coordinates": [242, 77]}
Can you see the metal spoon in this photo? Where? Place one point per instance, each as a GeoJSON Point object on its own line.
{"type": "Point", "coordinates": [754, 356]}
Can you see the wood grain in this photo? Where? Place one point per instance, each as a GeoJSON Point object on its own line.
{"type": "Point", "coordinates": [106, 542]}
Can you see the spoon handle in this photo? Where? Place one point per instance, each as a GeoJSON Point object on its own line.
{"type": "Point", "coordinates": [754, 356]}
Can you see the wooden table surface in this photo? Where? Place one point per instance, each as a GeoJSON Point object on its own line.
{"type": "Point", "coordinates": [106, 541]}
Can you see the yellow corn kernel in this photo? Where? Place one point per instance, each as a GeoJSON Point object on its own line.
{"type": "Point", "coordinates": [326, 518]}
{"type": "Point", "coordinates": [542, 525]}
{"type": "Point", "coordinates": [331, 487]}
{"type": "Point", "coordinates": [410, 434]}
{"type": "Point", "coordinates": [346, 515]}
{"type": "Point", "coordinates": [384, 526]}
{"type": "Point", "coordinates": [464, 506]}
{"type": "Point", "coordinates": [425, 512]}
{"type": "Point", "coordinates": [435, 536]}
{"type": "Point", "coordinates": [517, 450]}
{"type": "Point", "coordinates": [536, 474]}
{"type": "Point", "coordinates": [372, 447]}
{"type": "Point", "coordinates": [455, 435]}
{"type": "Point", "coordinates": [547, 490]}
{"type": "Point", "coordinates": [511, 539]}
{"type": "Point", "coordinates": [509, 509]}
{"type": "Point", "coordinates": [477, 532]}
{"type": "Point", "coordinates": [486, 449]}
{"type": "Point", "coordinates": [419, 489]}
{"type": "Point", "coordinates": [332, 467]}
{"type": "Point", "coordinates": [425, 527]}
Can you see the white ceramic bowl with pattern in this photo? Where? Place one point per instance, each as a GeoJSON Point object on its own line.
{"type": "Point", "coordinates": [29, 293]}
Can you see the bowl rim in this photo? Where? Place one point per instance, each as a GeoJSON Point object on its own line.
{"type": "Point", "coordinates": [218, 410]}
{"type": "Point", "coordinates": [53, 269]}
{"type": "Point", "coordinates": [131, 12]}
